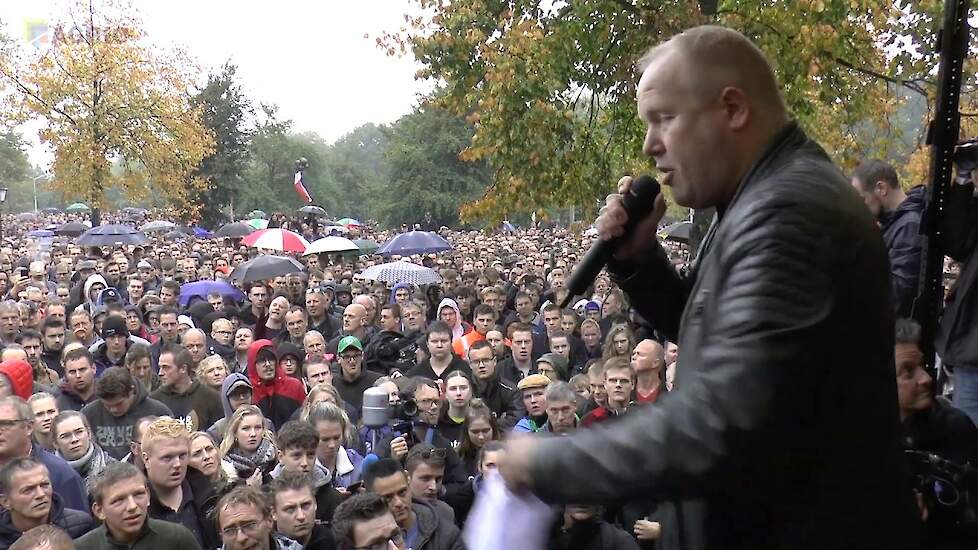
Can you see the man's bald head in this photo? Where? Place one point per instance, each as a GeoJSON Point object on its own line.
{"type": "Point", "coordinates": [648, 355]}
{"type": "Point", "coordinates": [717, 57]}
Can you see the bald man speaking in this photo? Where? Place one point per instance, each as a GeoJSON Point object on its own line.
{"type": "Point", "coordinates": [784, 421]}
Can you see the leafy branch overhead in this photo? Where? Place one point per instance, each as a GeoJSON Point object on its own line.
{"type": "Point", "coordinates": [106, 96]}
{"type": "Point", "coordinates": [550, 87]}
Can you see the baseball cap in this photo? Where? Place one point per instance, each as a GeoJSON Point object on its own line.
{"type": "Point", "coordinates": [592, 306]}
{"type": "Point", "coordinates": [347, 342]}
{"type": "Point", "coordinates": [86, 264]}
{"type": "Point", "coordinates": [185, 320]}
{"type": "Point", "coordinates": [114, 325]}
{"type": "Point", "coordinates": [143, 264]}
{"type": "Point", "coordinates": [533, 381]}
{"type": "Point", "coordinates": [109, 294]}
{"type": "Point", "coordinates": [238, 385]}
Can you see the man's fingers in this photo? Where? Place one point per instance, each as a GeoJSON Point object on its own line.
{"type": "Point", "coordinates": [624, 184]}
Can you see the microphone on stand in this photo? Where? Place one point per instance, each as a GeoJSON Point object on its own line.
{"type": "Point", "coordinates": [638, 203]}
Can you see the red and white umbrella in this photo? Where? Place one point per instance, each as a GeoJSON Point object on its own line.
{"type": "Point", "coordinates": [276, 239]}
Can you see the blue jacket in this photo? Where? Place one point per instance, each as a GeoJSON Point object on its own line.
{"type": "Point", "coordinates": [900, 234]}
{"type": "Point", "coordinates": [64, 479]}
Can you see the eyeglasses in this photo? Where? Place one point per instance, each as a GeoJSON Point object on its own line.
{"type": "Point", "coordinates": [6, 425]}
{"type": "Point", "coordinates": [480, 362]}
{"type": "Point", "coordinates": [396, 538]}
{"type": "Point", "coordinates": [427, 403]}
{"type": "Point", "coordinates": [248, 528]}
{"type": "Point", "coordinates": [351, 357]}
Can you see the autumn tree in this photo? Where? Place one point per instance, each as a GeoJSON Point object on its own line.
{"type": "Point", "coordinates": [106, 96]}
{"type": "Point", "coordinates": [550, 86]}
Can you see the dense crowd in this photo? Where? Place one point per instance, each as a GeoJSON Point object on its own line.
{"type": "Point", "coordinates": [138, 408]}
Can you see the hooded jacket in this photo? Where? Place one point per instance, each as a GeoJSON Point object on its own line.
{"type": "Point", "coordinates": [901, 235]}
{"type": "Point", "coordinates": [398, 286]}
{"type": "Point", "coordinates": [21, 376]}
{"type": "Point", "coordinates": [434, 531]}
{"type": "Point", "coordinates": [199, 404]}
{"type": "Point", "coordinates": [69, 400]}
{"type": "Point", "coordinates": [75, 522]}
{"type": "Point", "coordinates": [461, 328]}
{"type": "Point", "coordinates": [86, 299]}
{"type": "Point", "coordinates": [281, 396]}
{"type": "Point", "coordinates": [113, 433]}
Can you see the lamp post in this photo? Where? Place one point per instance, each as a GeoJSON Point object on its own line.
{"type": "Point", "coordinates": [3, 199]}
{"type": "Point", "coordinates": [35, 190]}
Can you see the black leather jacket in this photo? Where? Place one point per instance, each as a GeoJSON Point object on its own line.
{"type": "Point", "coordinates": [784, 421]}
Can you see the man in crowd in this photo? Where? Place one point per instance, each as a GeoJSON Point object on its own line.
{"type": "Point", "coordinates": [318, 302]}
{"type": "Point", "coordinates": [258, 296]}
{"type": "Point", "coordinates": [29, 500]}
{"type": "Point", "coordinates": [317, 371]}
{"type": "Point", "coordinates": [421, 525]}
{"type": "Point", "coordinates": [45, 408]}
{"type": "Point", "coordinates": [899, 216]}
{"type": "Point", "coordinates": [245, 522]}
{"type": "Point", "coordinates": [82, 328]}
{"type": "Point", "coordinates": [120, 501]}
{"type": "Point", "coordinates": [115, 343]}
{"type": "Point", "coordinates": [196, 343]}
{"type": "Point", "coordinates": [178, 494]}
{"type": "Point", "coordinates": [53, 332]}
{"type": "Point", "coordinates": [533, 389]}
{"type": "Point", "coordinates": [295, 509]}
{"type": "Point", "coordinates": [354, 324]}
{"type": "Point", "coordinates": [296, 325]}
{"type": "Point", "coordinates": [366, 521]}
{"type": "Point", "coordinates": [648, 360]}
{"type": "Point", "coordinates": [277, 394]}
{"type": "Point", "coordinates": [425, 467]}
{"type": "Point", "coordinates": [121, 402]}
{"type": "Point", "coordinates": [135, 456]}
{"type": "Point", "coordinates": [618, 385]}
{"type": "Point", "coordinates": [500, 395]}
{"type": "Point", "coordinates": [18, 421]}
{"type": "Point", "coordinates": [297, 444]}
{"type": "Point", "coordinates": [520, 365]}
{"type": "Point", "coordinates": [10, 322]}
{"type": "Point", "coordinates": [353, 378]}
{"type": "Point", "coordinates": [169, 332]}
{"type": "Point", "coordinates": [198, 405]}
{"type": "Point", "coordinates": [561, 408]}
{"type": "Point", "coordinates": [314, 344]}
{"type": "Point", "coordinates": [78, 389]}
{"type": "Point", "coordinates": [441, 360]}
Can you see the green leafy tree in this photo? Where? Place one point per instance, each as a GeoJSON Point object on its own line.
{"type": "Point", "coordinates": [424, 171]}
{"type": "Point", "coordinates": [16, 173]}
{"type": "Point", "coordinates": [356, 171]}
{"type": "Point", "coordinates": [224, 109]}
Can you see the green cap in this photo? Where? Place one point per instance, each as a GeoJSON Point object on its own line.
{"type": "Point", "coordinates": [348, 341]}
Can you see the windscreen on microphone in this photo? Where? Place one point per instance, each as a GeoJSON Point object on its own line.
{"type": "Point", "coordinates": [638, 203]}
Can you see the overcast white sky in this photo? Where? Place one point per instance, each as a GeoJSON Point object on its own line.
{"type": "Point", "coordinates": [309, 57]}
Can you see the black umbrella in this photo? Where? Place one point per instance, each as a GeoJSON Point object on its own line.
{"type": "Point", "coordinates": [175, 236]}
{"type": "Point", "coordinates": [71, 229]}
{"type": "Point", "coordinates": [676, 232]}
{"type": "Point", "coordinates": [50, 210]}
{"type": "Point", "coordinates": [235, 230]}
{"type": "Point", "coordinates": [265, 267]}
{"type": "Point", "coordinates": [113, 234]}
{"type": "Point", "coordinates": [312, 210]}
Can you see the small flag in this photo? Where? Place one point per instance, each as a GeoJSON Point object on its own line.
{"type": "Point", "coordinates": [300, 188]}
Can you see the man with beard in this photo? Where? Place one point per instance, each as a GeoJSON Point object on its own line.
{"type": "Point", "coordinates": [295, 508]}
{"type": "Point", "coordinates": [53, 332]}
{"type": "Point", "coordinates": [78, 389]}
{"type": "Point", "coordinates": [30, 341]}
{"type": "Point", "coordinates": [196, 404]}
{"type": "Point", "coordinates": [500, 395]}
{"type": "Point", "coordinates": [120, 501]}
{"type": "Point", "coordinates": [29, 500]}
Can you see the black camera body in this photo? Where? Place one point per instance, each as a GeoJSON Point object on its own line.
{"type": "Point", "coordinates": [391, 351]}
{"type": "Point", "coordinates": [950, 493]}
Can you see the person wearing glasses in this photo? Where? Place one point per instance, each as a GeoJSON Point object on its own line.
{"type": "Point", "coordinates": [121, 502]}
{"type": "Point", "coordinates": [245, 522]}
{"type": "Point", "coordinates": [364, 522]}
{"type": "Point", "coordinates": [353, 379]}
{"type": "Point", "coordinates": [277, 394]}
{"type": "Point", "coordinates": [421, 526]}
{"type": "Point", "coordinates": [16, 428]}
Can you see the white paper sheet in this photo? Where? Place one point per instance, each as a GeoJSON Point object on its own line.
{"type": "Point", "coordinates": [501, 520]}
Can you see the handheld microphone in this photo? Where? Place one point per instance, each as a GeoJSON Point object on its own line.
{"type": "Point", "coordinates": [638, 203]}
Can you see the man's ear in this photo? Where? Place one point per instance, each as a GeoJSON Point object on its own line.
{"type": "Point", "coordinates": [98, 511]}
{"type": "Point", "coordinates": [4, 501]}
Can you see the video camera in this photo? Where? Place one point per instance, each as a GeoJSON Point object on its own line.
{"type": "Point", "coordinates": [949, 489]}
{"type": "Point", "coordinates": [391, 351]}
{"type": "Point", "coordinates": [378, 414]}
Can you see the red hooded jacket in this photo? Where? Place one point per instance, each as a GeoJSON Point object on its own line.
{"type": "Point", "coordinates": [279, 398]}
{"type": "Point", "coordinates": [21, 377]}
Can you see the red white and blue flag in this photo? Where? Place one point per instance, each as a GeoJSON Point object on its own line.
{"type": "Point", "coordinates": [300, 188]}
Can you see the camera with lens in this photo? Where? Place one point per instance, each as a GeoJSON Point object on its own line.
{"type": "Point", "coordinates": [390, 351]}
{"type": "Point", "coordinates": [378, 415]}
{"type": "Point", "coordinates": [950, 493]}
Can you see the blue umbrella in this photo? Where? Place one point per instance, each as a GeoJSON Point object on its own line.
{"type": "Point", "coordinates": [414, 242]}
{"type": "Point", "coordinates": [203, 288]}
{"type": "Point", "coordinates": [201, 233]}
{"type": "Point", "coordinates": [113, 234]}
{"type": "Point", "coordinates": [37, 233]}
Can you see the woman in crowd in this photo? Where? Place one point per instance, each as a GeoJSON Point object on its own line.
{"type": "Point", "coordinates": [325, 392]}
{"type": "Point", "coordinates": [236, 392]}
{"type": "Point", "coordinates": [249, 447]}
{"type": "Point", "coordinates": [140, 365]}
{"type": "Point", "coordinates": [401, 293]}
{"type": "Point", "coordinates": [591, 336]}
{"type": "Point", "coordinates": [212, 371]}
{"type": "Point", "coordinates": [480, 427]}
{"type": "Point", "coordinates": [619, 343]}
{"type": "Point", "coordinates": [135, 325]}
{"type": "Point", "coordinates": [458, 395]}
{"type": "Point", "coordinates": [205, 457]}
{"type": "Point", "coordinates": [72, 436]}
{"type": "Point", "coordinates": [334, 429]}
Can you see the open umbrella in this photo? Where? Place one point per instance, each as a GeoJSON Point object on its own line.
{"type": "Point", "coordinates": [71, 229]}
{"type": "Point", "coordinates": [235, 230]}
{"type": "Point", "coordinates": [257, 214]}
{"type": "Point", "coordinates": [331, 229]}
{"type": "Point", "coordinates": [107, 235]}
{"type": "Point", "coordinates": [200, 232]}
{"type": "Point", "coordinates": [77, 207]}
{"type": "Point", "coordinates": [39, 233]}
{"type": "Point", "coordinates": [276, 239]}
{"type": "Point", "coordinates": [50, 210]}
{"type": "Point", "coordinates": [203, 288]}
{"type": "Point", "coordinates": [312, 210]}
{"type": "Point", "coordinates": [161, 226]}
{"type": "Point", "coordinates": [347, 221]}
{"type": "Point", "coordinates": [402, 272]}
{"type": "Point", "coordinates": [678, 232]}
{"type": "Point", "coordinates": [265, 267]}
{"type": "Point", "coordinates": [175, 236]}
{"type": "Point", "coordinates": [257, 223]}
{"type": "Point", "coordinates": [366, 245]}
{"type": "Point", "coordinates": [414, 242]}
{"type": "Point", "coordinates": [331, 244]}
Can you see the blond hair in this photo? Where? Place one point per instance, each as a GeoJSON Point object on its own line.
{"type": "Point", "coordinates": [208, 362]}
{"type": "Point", "coordinates": [230, 433]}
{"type": "Point", "coordinates": [161, 429]}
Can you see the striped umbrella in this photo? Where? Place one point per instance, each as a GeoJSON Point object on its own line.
{"type": "Point", "coordinates": [276, 239]}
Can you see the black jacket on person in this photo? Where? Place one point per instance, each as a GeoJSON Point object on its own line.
{"type": "Point", "coordinates": [901, 235]}
{"type": "Point", "coordinates": [957, 336]}
{"type": "Point", "coordinates": [785, 417]}
{"type": "Point", "coordinates": [52, 360]}
{"type": "Point", "coordinates": [434, 531]}
{"type": "Point", "coordinates": [502, 398]}
{"type": "Point", "coordinates": [596, 534]}
{"type": "Point", "coordinates": [75, 522]}
{"type": "Point", "coordinates": [202, 504]}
